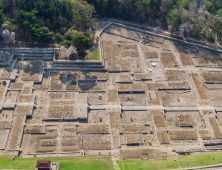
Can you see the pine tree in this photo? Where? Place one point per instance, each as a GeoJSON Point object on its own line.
{"type": "Point", "coordinates": [64, 9]}
{"type": "Point", "coordinates": [22, 6]}
{"type": "Point", "coordinates": [39, 9]}
{"type": "Point", "coordinates": [8, 6]}
{"type": "Point", "coordinates": [56, 14]}
{"type": "Point", "coordinates": [70, 13]}
{"type": "Point", "coordinates": [52, 13]}
{"type": "Point", "coordinates": [2, 17]}
{"type": "Point", "coordinates": [28, 6]}
{"type": "Point", "coordinates": [32, 3]}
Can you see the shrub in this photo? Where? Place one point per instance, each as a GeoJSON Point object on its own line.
{"type": "Point", "coordinates": [81, 42]}
{"type": "Point", "coordinates": [219, 12]}
{"type": "Point", "coordinates": [2, 17]}
{"type": "Point", "coordinates": [26, 16]}
{"type": "Point", "coordinates": [66, 43]}
{"type": "Point", "coordinates": [37, 32]}
{"type": "Point", "coordinates": [82, 53]}
{"type": "Point", "coordinates": [173, 18]}
{"type": "Point", "coordinates": [57, 38]}
{"type": "Point", "coordinates": [210, 38]}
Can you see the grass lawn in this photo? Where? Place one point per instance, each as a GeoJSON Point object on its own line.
{"type": "Point", "coordinates": [98, 163]}
{"type": "Point", "coordinates": [66, 163]}
{"type": "Point", "coordinates": [148, 164]}
{"type": "Point", "coordinates": [95, 55]}
{"type": "Point", "coordinates": [200, 160]}
{"type": "Point", "coordinates": [184, 162]}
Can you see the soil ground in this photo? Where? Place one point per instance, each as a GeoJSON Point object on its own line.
{"type": "Point", "coordinates": [127, 106]}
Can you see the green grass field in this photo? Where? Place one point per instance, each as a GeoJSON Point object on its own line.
{"type": "Point", "coordinates": [95, 55]}
{"type": "Point", "coordinates": [66, 163]}
{"type": "Point", "coordinates": [183, 162]}
{"type": "Point", "coordinates": [147, 164]}
{"type": "Point", "coordinates": [98, 163]}
{"type": "Point", "coordinates": [200, 160]}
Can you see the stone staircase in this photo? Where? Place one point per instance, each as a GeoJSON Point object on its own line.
{"type": "Point", "coordinates": [34, 52]}
{"type": "Point", "coordinates": [78, 66]}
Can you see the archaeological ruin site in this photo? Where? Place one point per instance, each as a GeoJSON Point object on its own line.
{"type": "Point", "coordinates": [149, 97]}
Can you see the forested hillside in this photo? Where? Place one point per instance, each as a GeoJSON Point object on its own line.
{"type": "Point", "coordinates": [201, 19]}
{"type": "Point", "coordinates": [48, 21]}
{"type": "Point", "coordinates": [43, 18]}
{"type": "Point", "coordinates": [54, 20]}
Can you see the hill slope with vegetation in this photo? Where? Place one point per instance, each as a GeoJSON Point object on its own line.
{"type": "Point", "coordinates": [200, 19]}
{"type": "Point", "coordinates": [69, 21]}
{"type": "Point", "coordinates": [49, 21]}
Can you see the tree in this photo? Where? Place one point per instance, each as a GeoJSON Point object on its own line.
{"type": "Point", "coordinates": [64, 10]}
{"type": "Point", "coordinates": [8, 37]}
{"type": "Point", "coordinates": [174, 18]}
{"type": "Point", "coordinates": [68, 36]}
{"type": "Point", "coordinates": [67, 52]}
{"type": "Point", "coordinates": [66, 43]}
{"type": "Point", "coordinates": [219, 12]}
{"type": "Point", "coordinates": [83, 11]}
{"type": "Point", "coordinates": [183, 3]}
{"type": "Point", "coordinates": [69, 16]}
{"type": "Point", "coordinates": [26, 16]}
{"type": "Point", "coordinates": [82, 54]}
{"type": "Point", "coordinates": [166, 5]}
{"type": "Point", "coordinates": [37, 32]}
{"type": "Point", "coordinates": [39, 8]}
{"type": "Point", "coordinates": [32, 4]}
{"type": "Point", "coordinates": [56, 14]}
{"type": "Point", "coordinates": [81, 42]}
{"type": "Point", "coordinates": [217, 27]}
{"type": "Point", "coordinates": [63, 50]}
{"type": "Point", "coordinates": [71, 50]}
{"type": "Point", "coordinates": [13, 37]}
{"type": "Point", "coordinates": [27, 24]}
{"type": "Point", "coordinates": [2, 18]}
{"type": "Point", "coordinates": [8, 6]}
{"type": "Point", "coordinates": [208, 4]}
{"type": "Point", "coordinates": [210, 38]}
{"type": "Point", "coordinates": [9, 26]}
{"type": "Point", "coordinates": [57, 38]}
{"type": "Point", "coordinates": [184, 28]}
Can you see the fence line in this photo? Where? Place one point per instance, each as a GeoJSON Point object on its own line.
{"type": "Point", "coordinates": [159, 32]}
{"type": "Point", "coordinates": [163, 36]}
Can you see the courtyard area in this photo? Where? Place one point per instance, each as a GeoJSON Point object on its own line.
{"type": "Point", "coordinates": [148, 98]}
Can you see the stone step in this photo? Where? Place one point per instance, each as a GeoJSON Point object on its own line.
{"type": "Point", "coordinates": [75, 69]}
{"type": "Point", "coordinates": [33, 49]}
{"type": "Point", "coordinates": [34, 52]}
{"type": "Point", "coordinates": [80, 66]}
